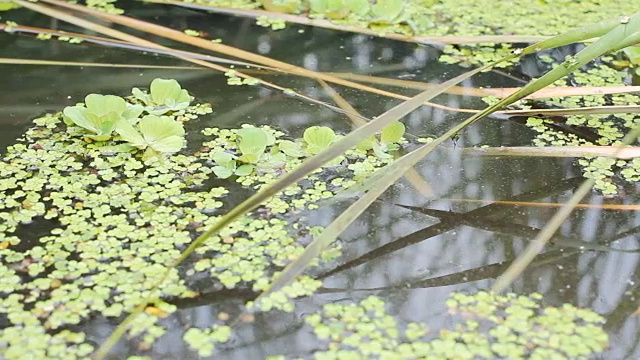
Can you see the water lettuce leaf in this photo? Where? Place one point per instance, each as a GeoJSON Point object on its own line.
{"type": "Point", "coordinates": [160, 133]}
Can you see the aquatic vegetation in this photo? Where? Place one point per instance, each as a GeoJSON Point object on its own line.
{"type": "Point", "coordinates": [101, 114]}
{"type": "Point", "coordinates": [165, 95]}
{"type": "Point", "coordinates": [604, 129]}
{"type": "Point", "coordinates": [234, 79]}
{"type": "Point", "coordinates": [273, 23]}
{"type": "Point", "coordinates": [203, 340]}
{"type": "Point", "coordinates": [155, 134]}
{"type": "Point", "coordinates": [259, 155]}
{"type": "Point", "coordinates": [113, 223]}
{"type": "Point", "coordinates": [494, 326]}
{"type": "Point", "coordinates": [390, 138]}
{"type": "Point", "coordinates": [318, 138]}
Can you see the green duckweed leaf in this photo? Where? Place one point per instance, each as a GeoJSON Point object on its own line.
{"type": "Point", "coordinates": [244, 170]}
{"type": "Point", "coordinates": [222, 172]}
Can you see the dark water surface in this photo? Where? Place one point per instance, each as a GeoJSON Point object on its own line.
{"type": "Point", "coordinates": [410, 259]}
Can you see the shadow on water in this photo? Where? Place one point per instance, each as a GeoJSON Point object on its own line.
{"type": "Point", "coordinates": [411, 251]}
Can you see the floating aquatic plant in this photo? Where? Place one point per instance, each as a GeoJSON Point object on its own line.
{"type": "Point", "coordinates": [606, 129]}
{"type": "Point", "coordinates": [390, 137]}
{"type": "Point", "coordinates": [165, 95]}
{"type": "Point", "coordinates": [101, 114]}
{"type": "Point", "coordinates": [120, 220]}
{"type": "Point", "coordinates": [157, 135]}
{"type": "Point", "coordinates": [495, 326]}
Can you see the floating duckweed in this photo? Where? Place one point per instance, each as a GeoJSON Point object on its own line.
{"type": "Point", "coordinates": [282, 299]}
{"type": "Point", "coordinates": [608, 130]}
{"type": "Point", "coordinates": [273, 23]}
{"type": "Point", "coordinates": [203, 340]}
{"type": "Point", "coordinates": [282, 155]}
{"type": "Point", "coordinates": [509, 326]}
{"type": "Point", "coordinates": [116, 229]}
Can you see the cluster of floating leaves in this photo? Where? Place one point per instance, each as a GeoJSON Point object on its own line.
{"type": "Point", "coordinates": [281, 155]}
{"type": "Point", "coordinates": [604, 129]}
{"type": "Point", "coordinates": [494, 327]}
{"type": "Point", "coordinates": [88, 229]}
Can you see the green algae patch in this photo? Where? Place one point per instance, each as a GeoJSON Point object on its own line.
{"type": "Point", "coordinates": [487, 326]}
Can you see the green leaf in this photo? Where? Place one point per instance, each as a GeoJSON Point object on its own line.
{"type": "Point", "coordinates": [318, 138]}
{"type": "Point", "coordinates": [78, 116]}
{"type": "Point", "coordinates": [141, 95]}
{"type": "Point", "coordinates": [392, 133]}
{"type": "Point", "coordinates": [290, 148]}
{"type": "Point", "coordinates": [129, 134]}
{"type": "Point", "coordinates": [368, 143]}
{"type": "Point", "coordinates": [101, 105]}
{"type": "Point", "coordinates": [224, 159]}
{"type": "Point", "coordinates": [252, 143]}
{"type": "Point", "coordinates": [633, 54]}
{"type": "Point", "coordinates": [163, 133]}
{"type": "Point", "coordinates": [379, 152]}
{"type": "Point", "coordinates": [165, 90]}
{"type": "Point", "coordinates": [132, 113]}
{"type": "Point", "coordinates": [358, 7]}
{"type": "Point", "coordinates": [244, 170]}
{"type": "Point", "coordinates": [271, 161]}
{"type": "Point", "coordinates": [387, 9]}
{"type": "Point", "coordinates": [222, 172]}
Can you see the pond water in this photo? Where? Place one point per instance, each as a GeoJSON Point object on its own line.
{"type": "Point", "coordinates": [411, 259]}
